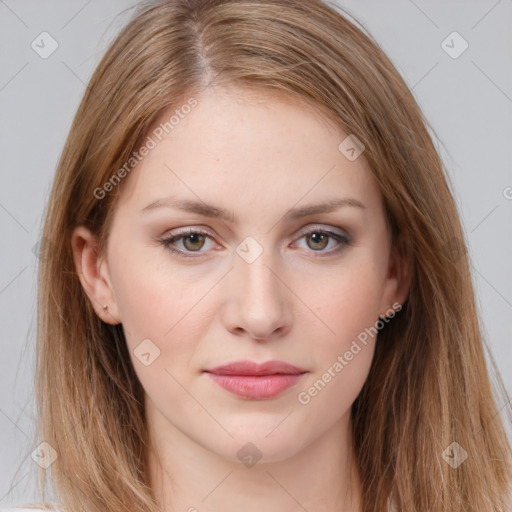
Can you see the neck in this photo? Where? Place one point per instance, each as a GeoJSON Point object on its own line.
{"type": "Point", "coordinates": [320, 477]}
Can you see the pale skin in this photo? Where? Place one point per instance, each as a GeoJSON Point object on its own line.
{"type": "Point", "coordinates": [299, 301]}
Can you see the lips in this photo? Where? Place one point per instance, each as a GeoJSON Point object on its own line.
{"type": "Point", "coordinates": [256, 381]}
{"type": "Point", "coordinates": [252, 368]}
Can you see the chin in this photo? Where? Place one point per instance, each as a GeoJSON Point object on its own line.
{"type": "Point", "coordinates": [250, 445]}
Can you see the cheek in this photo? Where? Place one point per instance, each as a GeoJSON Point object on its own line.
{"type": "Point", "coordinates": [164, 307]}
{"type": "Point", "coordinates": [345, 301]}
{"type": "Point", "coordinates": [329, 393]}
{"type": "Point", "coordinates": [164, 318]}
{"type": "Point", "coordinates": [152, 296]}
{"type": "Point", "coordinates": [342, 359]}
{"type": "Point", "coordinates": [346, 306]}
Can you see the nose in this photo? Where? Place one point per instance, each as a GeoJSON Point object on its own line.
{"type": "Point", "coordinates": [258, 301]}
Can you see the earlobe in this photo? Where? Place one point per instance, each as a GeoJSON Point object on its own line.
{"type": "Point", "coordinates": [92, 270]}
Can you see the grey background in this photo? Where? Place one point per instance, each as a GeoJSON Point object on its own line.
{"type": "Point", "coordinates": [468, 101]}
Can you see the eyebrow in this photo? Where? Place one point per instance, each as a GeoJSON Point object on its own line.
{"type": "Point", "coordinates": [208, 210]}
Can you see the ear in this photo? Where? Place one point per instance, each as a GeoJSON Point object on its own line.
{"type": "Point", "coordinates": [92, 269]}
{"type": "Point", "coordinates": [398, 279]}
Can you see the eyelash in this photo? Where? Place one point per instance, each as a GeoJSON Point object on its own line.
{"type": "Point", "coordinates": [167, 241]}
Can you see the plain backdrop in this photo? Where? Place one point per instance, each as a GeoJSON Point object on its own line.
{"type": "Point", "coordinates": [466, 96]}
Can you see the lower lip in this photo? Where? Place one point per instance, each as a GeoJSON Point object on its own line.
{"type": "Point", "coordinates": [255, 387]}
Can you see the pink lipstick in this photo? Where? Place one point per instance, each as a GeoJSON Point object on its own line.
{"type": "Point", "coordinates": [254, 380]}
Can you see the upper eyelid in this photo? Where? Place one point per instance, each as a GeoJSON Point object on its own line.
{"type": "Point", "coordinates": [308, 229]}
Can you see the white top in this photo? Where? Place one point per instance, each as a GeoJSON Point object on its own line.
{"type": "Point", "coordinates": [27, 509]}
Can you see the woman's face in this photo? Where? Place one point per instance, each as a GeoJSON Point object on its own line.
{"type": "Point", "coordinates": [255, 276]}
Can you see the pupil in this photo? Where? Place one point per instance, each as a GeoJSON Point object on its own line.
{"type": "Point", "coordinates": [193, 238]}
{"type": "Point", "coordinates": [318, 238]}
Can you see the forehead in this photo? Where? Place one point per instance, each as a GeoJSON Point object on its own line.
{"type": "Point", "coordinates": [241, 142]}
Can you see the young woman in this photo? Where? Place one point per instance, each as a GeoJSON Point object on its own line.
{"type": "Point", "coordinates": [258, 295]}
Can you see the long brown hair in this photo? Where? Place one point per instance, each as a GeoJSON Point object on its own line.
{"type": "Point", "coordinates": [428, 386]}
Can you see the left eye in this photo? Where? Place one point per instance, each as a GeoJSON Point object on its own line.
{"type": "Point", "coordinates": [194, 241]}
{"type": "Point", "coordinates": [320, 238]}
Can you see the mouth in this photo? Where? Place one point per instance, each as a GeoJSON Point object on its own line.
{"type": "Point", "coordinates": [256, 381]}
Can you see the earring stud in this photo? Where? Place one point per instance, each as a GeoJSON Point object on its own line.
{"type": "Point", "coordinates": [105, 308]}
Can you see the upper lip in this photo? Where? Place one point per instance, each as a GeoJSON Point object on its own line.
{"type": "Point", "coordinates": [253, 368]}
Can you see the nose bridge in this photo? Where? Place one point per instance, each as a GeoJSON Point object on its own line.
{"type": "Point", "coordinates": [256, 277]}
{"type": "Point", "coordinates": [260, 299]}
